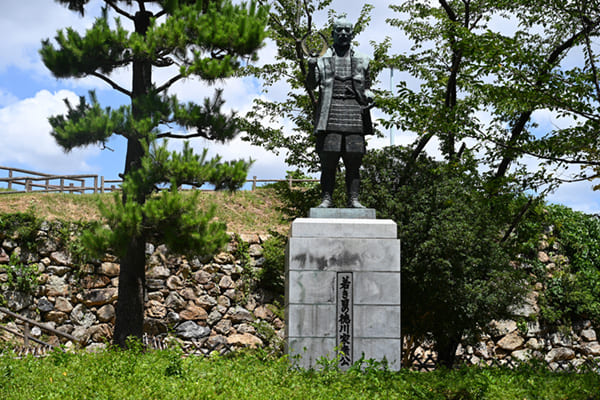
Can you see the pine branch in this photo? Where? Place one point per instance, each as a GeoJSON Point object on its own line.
{"type": "Point", "coordinates": [119, 10]}
{"type": "Point", "coordinates": [168, 83]}
{"type": "Point", "coordinates": [172, 135]}
{"type": "Point", "coordinates": [112, 83]}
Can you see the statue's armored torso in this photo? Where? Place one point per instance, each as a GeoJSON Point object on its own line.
{"type": "Point", "coordinates": [345, 114]}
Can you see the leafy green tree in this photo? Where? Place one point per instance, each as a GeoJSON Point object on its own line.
{"type": "Point", "coordinates": [478, 87]}
{"type": "Point", "coordinates": [291, 27]}
{"type": "Point", "coordinates": [206, 39]}
{"type": "Point", "coordinates": [456, 275]}
{"type": "Point", "coordinates": [467, 62]}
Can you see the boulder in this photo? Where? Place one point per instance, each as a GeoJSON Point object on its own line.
{"type": "Point", "coordinates": [263, 312]}
{"type": "Point", "coordinates": [528, 308]}
{"type": "Point", "coordinates": [100, 333]}
{"type": "Point", "coordinates": [591, 349]}
{"type": "Point", "coordinates": [158, 272]}
{"type": "Point", "coordinates": [82, 316]}
{"type": "Point", "coordinates": [240, 314]}
{"type": "Point", "coordinates": [535, 344]}
{"type": "Point", "coordinates": [106, 313]}
{"type": "Point", "coordinates": [17, 301]}
{"type": "Point", "coordinates": [63, 305]}
{"type": "Point", "coordinates": [226, 283]}
{"type": "Point", "coordinates": [94, 281]}
{"type": "Point", "coordinates": [216, 341]}
{"type": "Point", "coordinates": [56, 316]}
{"type": "Point", "coordinates": [99, 297]}
{"type": "Point", "coordinates": [61, 258]}
{"type": "Point", "coordinates": [214, 317]}
{"type": "Point", "coordinates": [521, 355]}
{"type": "Point", "coordinates": [511, 342]}
{"type": "Point", "coordinates": [223, 327]}
{"type": "Point", "coordinates": [175, 301]}
{"type": "Point", "coordinates": [174, 282]}
{"type": "Point", "coordinates": [188, 293]}
{"type": "Point", "coordinates": [154, 284]}
{"type": "Point", "coordinates": [191, 330]}
{"type": "Point", "coordinates": [56, 286]}
{"type": "Point", "coordinates": [560, 354]}
{"type": "Point", "coordinates": [246, 328]}
{"type": "Point", "coordinates": [206, 302]}
{"type": "Point", "coordinates": [502, 327]}
{"type": "Point", "coordinates": [250, 238]}
{"type": "Point", "coordinates": [109, 269]}
{"type": "Point", "coordinates": [255, 250]}
{"type": "Point", "coordinates": [543, 257]}
{"type": "Point", "coordinates": [244, 340]}
{"type": "Point", "coordinates": [589, 335]}
{"type": "Point", "coordinates": [158, 296]}
{"type": "Point", "coordinates": [202, 277]}
{"type": "Point", "coordinates": [224, 258]}
{"type": "Point", "coordinates": [58, 270]}
{"type": "Point", "coordinates": [193, 313]}
{"type": "Point", "coordinates": [155, 309]}
{"type": "Point", "coordinates": [44, 305]}
{"type": "Point", "coordinates": [559, 339]}
{"type": "Point", "coordinates": [223, 301]}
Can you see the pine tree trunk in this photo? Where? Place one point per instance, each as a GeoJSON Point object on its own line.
{"type": "Point", "coordinates": [129, 319]}
{"type": "Point", "coordinates": [130, 306]}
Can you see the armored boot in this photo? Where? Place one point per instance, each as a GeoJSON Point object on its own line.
{"type": "Point", "coordinates": [353, 190]}
{"type": "Point", "coordinates": [327, 181]}
{"type": "Point", "coordinates": [327, 201]}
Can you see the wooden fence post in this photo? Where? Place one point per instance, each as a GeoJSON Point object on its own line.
{"type": "Point", "coordinates": [102, 184]}
{"type": "Point", "coordinates": [254, 183]}
{"type": "Point", "coordinates": [10, 175]}
{"type": "Point", "coordinates": [95, 184]}
{"type": "Point", "coordinates": [28, 185]}
{"type": "Point", "coordinates": [26, 335]}
{"type": "Point", "coordinates": [62, 185]}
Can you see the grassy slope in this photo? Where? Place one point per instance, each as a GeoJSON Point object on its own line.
{"type": "Point", "coordinates": [244, 211]}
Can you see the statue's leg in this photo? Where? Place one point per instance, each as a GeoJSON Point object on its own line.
{"type": "Point", "coordinates": [329, 163]}
{"type": "Point", "coordinates": [352, 162]}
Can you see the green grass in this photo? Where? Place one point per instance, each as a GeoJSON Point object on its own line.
{"type": "Point", "coordinates": [166, 375]}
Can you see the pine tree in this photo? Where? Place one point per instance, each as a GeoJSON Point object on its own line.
{"type": "Point", "coordinates": [208, 39]}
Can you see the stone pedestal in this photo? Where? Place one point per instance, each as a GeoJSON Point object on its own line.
{"type": "Point", "coordinates": [343, 291]}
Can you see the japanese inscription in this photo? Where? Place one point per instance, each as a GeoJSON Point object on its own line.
{"type": "Point", "coordinates": [344, 318]}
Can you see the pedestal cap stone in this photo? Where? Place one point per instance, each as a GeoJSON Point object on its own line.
{"type": "Point", "coordinates": [344, 228]}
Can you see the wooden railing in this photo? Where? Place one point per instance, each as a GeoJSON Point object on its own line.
{"type": "Point", "coordinates": [32, 181]}
{"type": "Point", "coordinates": [29, 181]}
{"type": "Point", "coordinates": [26, 330]}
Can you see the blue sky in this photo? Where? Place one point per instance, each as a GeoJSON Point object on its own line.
{"type": "Point", "coordinates": [29, 95]}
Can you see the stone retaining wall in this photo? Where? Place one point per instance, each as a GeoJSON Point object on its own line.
{"type": "Point", "coordinates": [206, 302]}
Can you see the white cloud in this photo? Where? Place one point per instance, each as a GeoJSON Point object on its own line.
{"type": "Point", "coordinates": [579, 196]}
{"type": "Point", "coordinates": [7, 98]}
{"type": "Point", "coordinates": [26, 138]}
{"type": "Point", "coordinates": [27, 24]}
